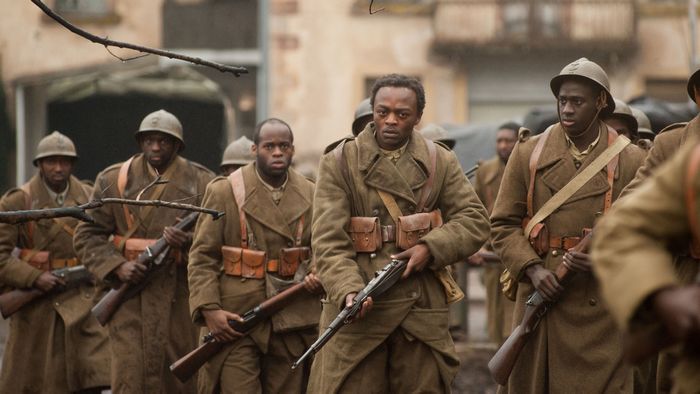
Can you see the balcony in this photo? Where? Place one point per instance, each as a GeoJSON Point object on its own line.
{"type": "Point", "coordinates": [508, 26]}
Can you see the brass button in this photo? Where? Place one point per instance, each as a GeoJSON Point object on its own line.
{"type": "Point", "coordinates": [372, 255]}
{"type": "Point", "coordinates": [592, 302]}
{"type": "Point", "coordinates": [555, 253]}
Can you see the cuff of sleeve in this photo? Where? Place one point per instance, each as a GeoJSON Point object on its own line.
{"type": "Point", "coordinates": [27, 275]}
{"type": "Point", "coordinates": [520, 274]}
{"type": "Point", "coordinates": [107, 267]}
{"type": "Point", "coordinates": [440, 253]}
{"type": "Point", "coordinates": [197, 316]}
{"type": "Point", "coordinates": [337, 297]}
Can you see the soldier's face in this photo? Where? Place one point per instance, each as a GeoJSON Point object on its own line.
{"type": "Point", "coordinates": [227, 169]}
{"type": "Point", "coordinates": [158, 149]}
{"type": "Point", "coordinates": [274, 150]}
{"type": "Point", "coordinates": [505, 142]}
{"type": "Point", "coordinates": [395, 116]}
{"type": "Point", "coordinates": [55, 170]}
{"type": "Point", "coordinates": [578, 106]}
{"type": "Point", "coordinates": [620, 126]}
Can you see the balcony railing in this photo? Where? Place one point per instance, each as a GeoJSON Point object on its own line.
{"type": "Point", "coordinates": [543, 24]}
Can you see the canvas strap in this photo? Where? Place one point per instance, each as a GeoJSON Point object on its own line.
{"type": "Point", "coordinates": [578, 181]}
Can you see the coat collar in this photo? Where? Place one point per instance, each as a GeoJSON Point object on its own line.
{"type": "Point", "coordinates": [379, 172]}
{"type": "Point", "coordinates": [178, 174]}
{"type": "Point", "coordinates": [41, 199]}
{"type": "Point", "coordinates": [280, 218]}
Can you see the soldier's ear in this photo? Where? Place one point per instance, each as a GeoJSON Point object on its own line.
{"type": "Point", "coordinates": [601, 101]}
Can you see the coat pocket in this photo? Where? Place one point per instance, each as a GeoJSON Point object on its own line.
{"type": "Point", "coordinates": [365, 233]}
{"type": "Point", "coordinates": [410, 229]}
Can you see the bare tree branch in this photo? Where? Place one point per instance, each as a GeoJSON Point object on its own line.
{"type": "Point", "coordinates": [371, 3]}
{"type": "Point", "coordinates": [235, 70]}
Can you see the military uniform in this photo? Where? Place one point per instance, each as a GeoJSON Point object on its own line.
{"type": "Point", "coordinates": [260, 361]}
{"type": "Point", "coordinates": [487, 181]}
{"type": "Point", "coordinates": [631, 252]}
{"type": "Point", "coordinates": [403, 343]}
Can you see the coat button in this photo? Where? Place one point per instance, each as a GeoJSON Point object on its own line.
{"type": "Point", "coordinates": [372, 255]}
{"type": "Point", "coordinates": [592, 302]}
{"type": "Point", "coordinates": [555, 253]}
{"type": "Point", "coordinates": [56, 304]}
{"type": "Point", "coordinates": [375, 212]}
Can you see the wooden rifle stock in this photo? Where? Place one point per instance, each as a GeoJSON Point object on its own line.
{"type": "Point", "coordinates": [502, 363]}
{"type": "Point", "coordinates": [108, 305]}
{"type": "Point", "coordinates": [14, 300]}
{"type": "Point", "coordinates": [188, 365]}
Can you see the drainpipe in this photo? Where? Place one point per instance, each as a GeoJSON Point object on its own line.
{"type": "Point", "coordinates": [21, 137]}
{"type": "Point", "coordinates": [263, 67]}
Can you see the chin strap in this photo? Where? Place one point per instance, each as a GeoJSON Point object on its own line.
{"type": "Point", "coordinates": [589, 125]}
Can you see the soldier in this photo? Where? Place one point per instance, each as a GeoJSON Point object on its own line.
{"type": "Point", "coordinates": [487, 181]}
{"type": "Point", "coordinates": [623, 121]}
{"type": "Point", "coordinates": [271, 203]}
{"type": "Point", "coordinates": [635, 253]}
{"type": "Point", "coordinates": [365, 184]}
{"type": "Point", "coordinates": [646, 134]}
{"type": "Point", "coordinates": [152, 329]}
{"type": "Point", "coordinates": [575, 344]}
{"type": "Point", "coordinates": [436, 133]}
{"type": "Point", "coordinates": [363, 115]}
{"type": "Point", "coordinates": [55, 345]}
{"type": "Point", "coordinates": [237, 154]}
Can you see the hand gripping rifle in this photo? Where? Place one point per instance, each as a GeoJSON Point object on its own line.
{"type": "Point", "coordinates": [501, 365]}
{"type": "Point", "coordinates": [152, 258]}
{"type": "Point", "coordinates": [188, 365]}
{"type": "Point", "coordinates": [16, 299]}
{"type": "Point", "coordinates": [383, 281]}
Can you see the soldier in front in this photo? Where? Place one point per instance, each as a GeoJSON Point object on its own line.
{"type": "Point", "coordinates": [576, 344]}
{"type": "Point", "coordinates": [54, 344]}
{"type": "Point", "coordinates": [366, 186]}
{"type": "Point", "coordinates": [257, 249]}
{"type": "Point", "coordinates": [152, 329]}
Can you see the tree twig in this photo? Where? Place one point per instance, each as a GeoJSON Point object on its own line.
{"type": "Point", "coordinates": [235, 70]}
{"type": "Point", "coordinates": [371, 3]}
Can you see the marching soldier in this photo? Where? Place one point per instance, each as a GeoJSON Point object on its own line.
{"type": "Point", "coordinates": [623, 121]}
{"type": "Point", "coordinates": [152, 329]}
{"type": "Point", "coordinates": [436, 133]}
{"type": "Point", "coordinates": [363, 115]}
{"type": "Point", "coordinates": [487, 181]}
{"type": "Point", "coordinates": [635, 257]}
{"type": "Point", "coordinates": [54, 345]}
{"type": "Point", "coordinates": [260, 246]}
{"type": "Point", "coordinates": [576, 343]}
{"type": "Point", "coordinates": [366, 186]}
{"type": "Point", "coordinates": [646, 134]}
{"type": "Point", "coordinates": [237, 154]}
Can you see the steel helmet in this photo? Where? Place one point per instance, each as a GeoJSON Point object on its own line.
{"type": "Point", "coordinates": [162, 121]}
{"type": "Point", "coordinates": [55, 144]}
{"type": "Point", "coordinates": [644, 123]}
{"type": "Point", "coordinates": [434, 132]}
{"type": "Point", "coordinates": [589, 70]}
{"type": "Point", "coordinates": [363, 109]}
{"type": "Point", "coordinates": [693, 81]}
{"type": "Point", "coordinates": [238, 152]}
{"type": "Point", "coordinates": [623, 111]}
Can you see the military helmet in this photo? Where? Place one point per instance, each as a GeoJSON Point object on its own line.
{"type": "Point", "coordinates": [238, 152]}
{"type": "Point", "coordinates": [589, 70]}
{"type": "Point", "coordinates": [623, 111]}
{"type": "Point", "coordinates": [55, 144]}
{"type": "Point", "coordinates": [162, 121]}
{"type": "Point", "coordinates": [434, 132]}
{"type": "Point", "coordinates": [644, 123]}
{"type": "Point", "coordinates": [363, 109]}
{"type": "Point", "coordinates": [693, 81]}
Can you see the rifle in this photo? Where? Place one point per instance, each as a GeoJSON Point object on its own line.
{"type": "Point", "coordinates": [501, 365]}
{"type": "Point", "coordinates": [468, 173]}
{"type": "Point", "coordinates": [152, 258]}
{"type": "Point", "coordinates": [185, 367]}
{"type": "Point", "coordinates": [383, 280]}
{"type": "Point", "coordinates": [14, 300]}
{"type": "Point", "coordinates": [489, 257]}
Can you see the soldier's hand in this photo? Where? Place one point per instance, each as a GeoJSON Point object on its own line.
{"type": "Point", "coordinates": [418, 257]}
{"type": "Point", "coordinates": [312, 284]}
{"type": "Point", "coordinates": [217, 322]}
{"type": "Point", "coordinates": [679, 310]}
{"type": "Point", "coordinates": [131, 271]}
{"type": "Point", "coordinates": [176, 237]}
{"type": "Point", "coordinates": [366, 306]}
{"type": "Point", "coordinates": [545, 282]}
{"type": "Point", "coordinates": [47, 281]}
{"type": "Point", "coordinates": [577, 261]}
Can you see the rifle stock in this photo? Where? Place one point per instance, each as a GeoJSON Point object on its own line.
{"type": "Point", "coordinates": [188, 365]}
{"type": "Point", "coordinates": [502, 363]}
{"type": "Point", "coordinates": [108, 305]}
{"type": "Point", "coordinates": [14, 300]}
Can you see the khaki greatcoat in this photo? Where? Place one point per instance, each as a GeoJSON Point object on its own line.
{"type": "Point", "coordinates": [576, 344]}
{"type": "Point", "coordinates": [631, 255]}
{"type": "Point", "coordinates": [54, 344]}
{"type": "Point", "coordinates": [273, 227]}
{"type": "Point", "coordinates": [153, 329]}
{"type": "Point", "coordinates": [416, 307]}
{"type": "Point", "coordinates": [487, 181]}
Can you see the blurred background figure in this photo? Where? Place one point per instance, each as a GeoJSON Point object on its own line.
{"type": "Point", "coordinates": [646, 134]}
{"type": "Point", "coordinates": [623, 121]}
{"type": "Point", "coordinates": [237, 154]}
{"type": "Point", "coordinates": [363, 115]}
{"type": "Point", "coordinates": [436, 133]}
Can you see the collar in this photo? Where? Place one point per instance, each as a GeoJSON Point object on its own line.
{"type": "Point", "coordinates": [270, 187]}
{"type": "Point", "coordinates": [58, 197]}
{"type": "Point", "coordinates": [580, 155]}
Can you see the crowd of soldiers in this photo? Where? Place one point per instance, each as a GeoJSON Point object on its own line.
{"type": "Point", "coordinates": [385, 192]}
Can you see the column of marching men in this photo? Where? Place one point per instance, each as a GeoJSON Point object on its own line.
{"type": "Point", "coordinates": [386, 191]}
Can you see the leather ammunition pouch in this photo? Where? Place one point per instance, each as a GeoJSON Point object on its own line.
{"type": "Point", "coordinates": [412, 228]}
{"type": "Point", "coordinates": [365, 233]}
{"type": "Point", "coordinates": [538, 238]}
{"type": "Point", "coordinates": [133, 247]}
{"type": "Point", "coordinates": [245, 263]}
{"type": "Point", "coordinates": [290, 259]}
{"type": "Point", "coordinates": [41, 259]}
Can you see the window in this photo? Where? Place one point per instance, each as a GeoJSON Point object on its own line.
{"type": "Point", "coordinates": [84, 7]}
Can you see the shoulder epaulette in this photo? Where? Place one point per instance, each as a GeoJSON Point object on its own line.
{"type": "Point", "coordinates": [673, 126]}
{"type": "Point", "coordinates": [201, 167]}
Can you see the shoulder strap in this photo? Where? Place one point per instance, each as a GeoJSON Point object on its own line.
{"type": "Point", "coordinates": [577, 182]}
{"type": "Point", "coordinates": [339, 154]}
{"type": "Point", "coordinates": [238, 188]}
{"type": "Point", "coordinates": [121, 187]}
{"type": "Point", "coordinates": [611, 168]}
{"type": "Point", "coordinates": [534, 158]}
{"type": "Point", "coordinates": [428, 187]}
{"type": "Point", "coordinates": [690, 203]}
{"type": "Point", "coordinates": [28, 205]}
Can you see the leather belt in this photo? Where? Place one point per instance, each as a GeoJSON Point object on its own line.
{"type": "Point", "coordinates": [388, 233]}
{"type": "Point", "coordinates": [565, 243]}
{"type": "Point", "coordinates": [273, 265]}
